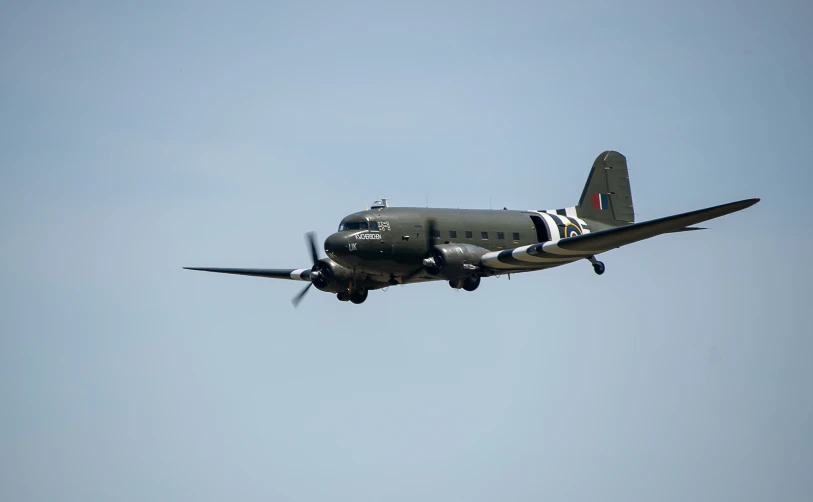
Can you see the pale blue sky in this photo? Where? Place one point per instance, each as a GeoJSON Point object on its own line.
{"type": "Point", "coordinates": [135, 139]}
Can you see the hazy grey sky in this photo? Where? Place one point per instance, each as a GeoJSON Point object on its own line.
{"type": "Point", "coordinates": [138, 138]}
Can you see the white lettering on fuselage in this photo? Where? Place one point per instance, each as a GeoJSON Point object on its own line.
{"type": "Point", "coordinates": [352, 246]}
{"type": "Point", "coordinates": [368, 237]}
{"type": "Point", "coordinates": [384, 226]}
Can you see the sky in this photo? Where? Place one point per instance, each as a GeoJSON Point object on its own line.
{"type": "Point", "coordinates": [137, 138]}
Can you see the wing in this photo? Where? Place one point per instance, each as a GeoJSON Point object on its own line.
{"type": "Point", "coordinates": [299, 274]}
{"type": "Point", "coordinates": [621, 236]}
{"type": "Point", "coordinates": [549, 254]}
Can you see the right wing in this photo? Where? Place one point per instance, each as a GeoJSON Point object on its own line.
{"type": "Point", "coordinates": [574, 248]}
{"type": "Point", "coordinates": [299, 274]}
{"type": "Point", "coordinates": [612, 238]}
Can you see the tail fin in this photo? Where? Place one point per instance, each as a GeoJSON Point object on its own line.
{"type": "Point", "coordinates": [607, 197]}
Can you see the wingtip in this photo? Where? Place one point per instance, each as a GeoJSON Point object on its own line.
{"type": "Point", "coordinates": [748, 202]}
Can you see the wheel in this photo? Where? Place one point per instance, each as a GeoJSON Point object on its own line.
{"type": "Point", "coordinates": [343, 296]}
{"type": "Point", "coordinates": [358, 296]}
{"type": "Point", "coordinates": [598, 267]}
{"type": "Point", "coordinates": [471, 283]}
{"type": "Point", "coordinates": [456, 284]}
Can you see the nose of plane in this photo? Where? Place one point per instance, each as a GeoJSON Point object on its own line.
{"type": "Point", "coordinates": [336, 245]}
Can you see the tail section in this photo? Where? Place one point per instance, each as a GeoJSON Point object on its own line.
{"type": "Point", "coordinates": [607, 197]}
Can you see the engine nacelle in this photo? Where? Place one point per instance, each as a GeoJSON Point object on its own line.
{"type": "Point", "coordinates": [454, 261]}
{"type": "Point", "coordinates": [327, 275]}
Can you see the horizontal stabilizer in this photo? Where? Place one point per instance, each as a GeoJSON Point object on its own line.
{"type": "Point", "coordinates": [300, 274]}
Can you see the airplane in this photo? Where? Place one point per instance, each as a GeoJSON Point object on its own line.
{"type": "Point", "coordinates": [385, 246]}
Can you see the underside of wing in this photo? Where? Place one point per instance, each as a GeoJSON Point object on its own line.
{"type": "Point", "coordinates": [299, 274]}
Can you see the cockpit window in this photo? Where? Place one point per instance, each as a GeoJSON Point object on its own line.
{"type": "Point", "coordinates": [374, 226]}
{"type": "Point", "coordinates": [353, 225]}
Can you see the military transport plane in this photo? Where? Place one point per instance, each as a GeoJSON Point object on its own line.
{"type": "Point", "coordinates": [386, 246]}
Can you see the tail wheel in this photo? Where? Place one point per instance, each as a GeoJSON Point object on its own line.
{"type": "Point", "coordinates": [598, 267]}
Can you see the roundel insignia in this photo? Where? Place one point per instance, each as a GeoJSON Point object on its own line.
{"type": "Point", "coordinates": [572, 230]}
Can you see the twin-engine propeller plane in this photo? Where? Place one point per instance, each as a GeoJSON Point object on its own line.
{"type": "Point", "coordinates": [385, 245]}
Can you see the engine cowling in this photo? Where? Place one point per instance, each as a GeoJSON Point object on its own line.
{"type": "Point", "coordinates": [327, 275]}
{"type": "Point", "coordinates": [454, 261]}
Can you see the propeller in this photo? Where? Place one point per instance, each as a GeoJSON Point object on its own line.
{"type": "Point", "coordinates": [311, 238]}
{"type": "Point", "coordinates": [298, 298]}
{"type": "Point", "coordinates": [317, 275]}
{"type": "Point", "coordinates": [431, 261]}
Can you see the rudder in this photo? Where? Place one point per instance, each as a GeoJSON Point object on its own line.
{"type": "Point", "coordinates": [607, 197]}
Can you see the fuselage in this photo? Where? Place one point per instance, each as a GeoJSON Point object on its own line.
{"type": "Point", "coordinates": [392, 241]}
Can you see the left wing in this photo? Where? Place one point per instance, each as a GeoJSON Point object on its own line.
{"type": "Point", "coordinates": [574, 248]}
{"type": "Point", "coordinates": [299, 274]}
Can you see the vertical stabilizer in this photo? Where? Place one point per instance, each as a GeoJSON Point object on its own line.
{"type": "Point", "coordinates": [607, 197]}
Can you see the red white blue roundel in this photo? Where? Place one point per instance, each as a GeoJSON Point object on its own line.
{"type": "Point", "coordinates": [572, 230]}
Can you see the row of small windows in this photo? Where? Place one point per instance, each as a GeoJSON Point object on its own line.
{"type": "Point", "coordinates": [470, 235]}
{"type": "Point", "coordinates": [373, 226]}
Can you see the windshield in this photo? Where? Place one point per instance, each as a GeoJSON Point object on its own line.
{"type": "Point", "coordinates": [353, 225]}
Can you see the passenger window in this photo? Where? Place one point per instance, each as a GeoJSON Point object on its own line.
{"type": "Point", "coordinates": [469, 234]}
{"type": "Point", "coordinates": [453, 234]}
{"type": "Point", "coordinates": [516, 236]}
{"type": "Point", "coordinates": [500, 236]}
{"type": "Point", "coordinates": [484, 235]}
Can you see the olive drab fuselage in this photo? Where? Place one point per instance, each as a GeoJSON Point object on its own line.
{"type": "Point", "coordinates": [392, 240]}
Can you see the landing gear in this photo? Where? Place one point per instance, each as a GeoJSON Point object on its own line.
{"type": "Point", "coordinates": [358, 296]}
{"type": "Point", "coordinates": [598, 267]}
{"type": "Point", "coordinates": [471, 283]}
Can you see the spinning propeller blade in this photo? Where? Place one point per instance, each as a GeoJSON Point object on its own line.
{"type": "Point", "coordinates": [430, 230]}
{"type": "Point", "coordinates": [298, 298]}
{"type": "Point", "coordinates": [310, 237]}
